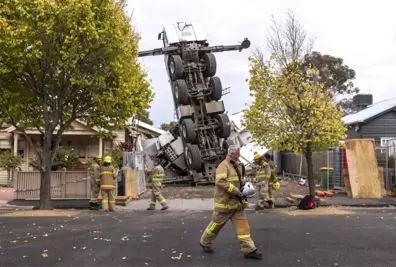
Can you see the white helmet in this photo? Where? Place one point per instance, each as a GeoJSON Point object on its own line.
{"type": "Point", "coordinates": [248, 190]}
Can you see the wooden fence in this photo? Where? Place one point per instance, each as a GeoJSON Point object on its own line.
{"type": "Point", "coordinates": [64, 184]}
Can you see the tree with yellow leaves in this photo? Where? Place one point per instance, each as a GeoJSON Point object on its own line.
{"type": "Point", "coordinates": [291, 111]}
{"type": "Point", "coordinates": [67, 60]}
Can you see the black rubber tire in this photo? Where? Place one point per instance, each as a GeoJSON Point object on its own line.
{"type": "Point", "coordinates": [211, 65]}
{"type": "Point", "coordinates": [224, 130]}
{"type": "Point", "coordinates": [216, 88]}
{"type": "Point", "coordinates": [181, 94]}
{"type": "Point", "coordinates": [193, 157]}
{"type": "Point", "coordinates": [175, 65]}
{"type": "Point", "coordinates": [226, 145]}
{"type": "Point", "coordinates": [188, 132]}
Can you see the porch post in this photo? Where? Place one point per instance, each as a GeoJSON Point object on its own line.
{"type": "Point", "coordinates": [16, 135]}
{"type": "Point", "coordinates": [100, 146]}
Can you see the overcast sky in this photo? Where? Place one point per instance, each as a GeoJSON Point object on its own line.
{"type": "Point", "coordinates": [363, 33]}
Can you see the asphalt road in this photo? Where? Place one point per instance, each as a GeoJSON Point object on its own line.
{"type": "Point", "coordinates": [140, 238]}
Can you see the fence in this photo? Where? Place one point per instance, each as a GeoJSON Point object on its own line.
{"type": "Point", "coordinates": [334, 158]}
{"type": "Point", "coordinates": [64, 184]}
{"type": "Point", "coordinates": [135, 160]}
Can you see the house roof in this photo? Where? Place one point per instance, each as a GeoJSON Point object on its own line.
{"type": "Point", "coordinates": [370, 112]}
{"type": "Point", "coordinates": [138, 123]}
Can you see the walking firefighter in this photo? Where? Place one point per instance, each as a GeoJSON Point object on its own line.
{"type": "Point", "coordinates": [229, 205]}
{"type": "Point", "coordinates": [156, 175]}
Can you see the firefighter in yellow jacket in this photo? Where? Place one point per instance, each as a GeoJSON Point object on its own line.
{"type": "Point", "coordinates": [107, 184]}
{"type": "Point", "coordinates": [228, 206]}
{"type": "Point", "coordinates": [156, 175]}
{"type": "Point", "coordinates": [262, 176]}
{"type": "Point", "coordinates": [273, 182]}
{"type": "Point", "coordinates": [95, 183]}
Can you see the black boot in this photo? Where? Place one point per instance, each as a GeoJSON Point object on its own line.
{"type": "Point", "coordinates": [97, 206]}
{"type": "Point", "coordinates": [91, 206]}
{"type": "Point", "coordinates": [206, 249]}
{"type": "Point", "coordinates": [150, 208]}
{"type": "Point", "coordinates": [271, 204]}
{"type": "Point", "coordinates": [254, 255]}
{"type": "Point", "coordinates": [258, 207]}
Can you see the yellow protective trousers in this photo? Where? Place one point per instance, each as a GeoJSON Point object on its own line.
{"type": "Point", "coordinates": [156, 195]}
{"type": "Point", "coordinates": [108, 199]}
{"type": "Point", "coordinates": [241, 225]}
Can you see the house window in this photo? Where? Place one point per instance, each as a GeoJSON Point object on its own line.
{"type": "Point", "coordinates": [385, 140]}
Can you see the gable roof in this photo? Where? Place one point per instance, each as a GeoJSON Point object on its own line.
{"type": "Point", "coordinates": [370, 112]}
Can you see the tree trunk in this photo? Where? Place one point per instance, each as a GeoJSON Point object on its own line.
{"type": "Point", "coordinates": [45, 173]}
{"type": "Point", "coordinates": [9, 178]}
{"type": "Point", "coordinates": [311, 181]}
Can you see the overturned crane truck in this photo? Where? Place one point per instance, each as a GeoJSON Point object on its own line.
{"type": "Point", "coordinates": [192, 150]}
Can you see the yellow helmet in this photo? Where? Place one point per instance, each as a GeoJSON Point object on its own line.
{"type": "Point", "coordinates": [257, 156]}
{"type": "Point", "coordinates": [107, 159]}
{"type": "Point", "coordinates": [276, 185]}
{"type": "Point", "coordinates": [98, 157]}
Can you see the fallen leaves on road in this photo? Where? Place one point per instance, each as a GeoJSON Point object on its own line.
{"type": "Point", "coordinates": [317, 211]}
{"type": "Point", "coordinates": [44, 255]}
{"type": "Point", "coordinates": [41, 213]}
{"type": "Point", "coordinates": [178, 257]}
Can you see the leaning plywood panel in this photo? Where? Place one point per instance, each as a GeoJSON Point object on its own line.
{"type": "Point", "coordinates": [130, 183]}
{"type": "Point", "coordinates": [363, 168]}
{"type": "Point", "coordinates": [381, 179]}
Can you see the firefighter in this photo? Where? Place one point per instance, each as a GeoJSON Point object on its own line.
{"type": "Point", "coordinates": [262, 176]}
{"type": "Point", "coordinates": [107, 184]}
{"type": "Point", "coordinates": [156, 175]}
{"type": "Point", "coordinates": [229, 206]}
{"type": "Point", "coordinates": [273, 182]}
{"type": "Point", "coordinates": [95, 183]}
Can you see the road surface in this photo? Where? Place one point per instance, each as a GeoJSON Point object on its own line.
{"type": "Point", "coordinates": [171, 238]}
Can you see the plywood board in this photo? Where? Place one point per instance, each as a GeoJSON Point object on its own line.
{"type": "Point", "coordinates": [363, 168]}
{"type": "Point", "coordinates": [381, 179]}
{"type": "Point", "coordinates": [130, 182]}
{"type": "Point", "coordinates": [347, 183]}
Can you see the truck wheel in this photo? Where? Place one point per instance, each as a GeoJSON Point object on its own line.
{"type": "Point", "coordinates": [224, 130]}
{"type": "Point", "coordinates": [193, 157]}
{"type": "Point", "coordinates": [226, 144]}
{"type": "Point", "coordinates": [211, 65]}
{"type": "Point", "coordinates": [188, 131]}
{"type": "Point", "coordinates": [181, 94]}
{"type": "Point", "coordinates": [175, 65]}
{"type": "Point", "coordinates": [216, 88]}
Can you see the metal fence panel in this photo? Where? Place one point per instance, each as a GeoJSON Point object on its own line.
{"type": "Point", "coordinates": [135, 160]}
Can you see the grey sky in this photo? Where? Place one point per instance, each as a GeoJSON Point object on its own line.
{"type": "Point", "coordinates": [363, 33]}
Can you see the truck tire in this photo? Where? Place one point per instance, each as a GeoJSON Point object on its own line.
{"type": "Point", "coordinates": [211, 65]}
{"type": "Point", "coordinates": [188, 131]}
{"type": "Point", "coordinates": [175, 65]}
{"type": "Point", "coordinates": [193, 157]}
{"type": "Point", "coordinates": [224, 130]}
{"type": "Point", "coordinates": [216, 88]}
{"type": "Point", "coordinates": [226, 144]}
{"type": "Point", "coordinates": [181, 94]}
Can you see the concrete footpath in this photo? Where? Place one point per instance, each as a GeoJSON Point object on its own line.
{"type": "Point", "coordinates": [207, 204]}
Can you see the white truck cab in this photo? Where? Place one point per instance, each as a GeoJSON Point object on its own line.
{"type": "Point", "coordinates": [180, 32]}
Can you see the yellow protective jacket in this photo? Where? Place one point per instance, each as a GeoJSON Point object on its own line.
{"type": "Point", "coordinates": [94, 172]}
{"type": "Point", "coordinates": [263, 171]}
{"type": "Point", "coordinates": [107, 177]}
{"type": "Point", "coordinates": [227, 187]}
{"type": "Point", "coordinates": [156, 175]}
{"type": "Point", "coordinates": [273, 177]}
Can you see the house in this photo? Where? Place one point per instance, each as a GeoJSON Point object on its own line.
{"type": "Point", "coordinates": [376, 120]}
{"type": "Point", "coordinates": [85, 140]}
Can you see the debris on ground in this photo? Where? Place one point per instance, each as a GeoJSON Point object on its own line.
{"type": "Point", "coordinates": [317, 211]}
{"type": "Point", "coordinates": [41, 213]}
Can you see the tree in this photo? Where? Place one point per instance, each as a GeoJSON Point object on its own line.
{"type": "Point", "coordinates": [145, 117]}
{"type": "Point", "coordinates": [68, 60]}
{"type": "Point", "coordinates": [289, 43]}
{"type": "Point", "coordinates": [290, 112]}
{"type": "Point", "coordinates": [8, 162]}
{"type": "Point", "coordinates": [166, 126]}
{"type": "Point", "coordinates": [65, 158]}
{"type": "Point", "coordinates": [116, 155]}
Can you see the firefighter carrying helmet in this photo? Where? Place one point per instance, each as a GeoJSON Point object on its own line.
{"type": "Point", "coordinates": [107, 159]}
{"type": "Point", "coordinates": [248, 190]}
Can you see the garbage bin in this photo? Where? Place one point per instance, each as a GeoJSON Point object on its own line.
{"type": "Point", "coordinates": [326, 178]}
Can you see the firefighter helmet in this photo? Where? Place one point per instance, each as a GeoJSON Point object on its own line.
{"type": "Point", "coordinates": [275, 185]}
{"type": "Point", "coordinates": [107, 159]}
{"type": "Point", "coordinates": [248, 190]}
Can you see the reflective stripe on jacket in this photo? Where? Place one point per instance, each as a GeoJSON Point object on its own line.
{"type": "Point", "coordinates": [107, 177]}
{"type": "Point", "coordinates": [94, 172]}
{"type": "Point", "coordinates": [156, 175]}
{"type": "Point", "coordinates": [263, 171]}
{"type": "Point", "coordinates": [227, 187]}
